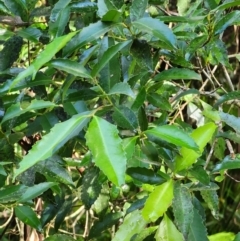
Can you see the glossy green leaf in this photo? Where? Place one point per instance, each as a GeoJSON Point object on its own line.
{"type": "Point", "coordinates": [177, 73]}
{"type": "Point", "coordinates": [112, 15]}
{"type": "Point", "coordinates": [200, 174]}
{"type": "Point", "coordinates": [125, 118]}
{"type": "Point", "coordinates": [28, 216]}
{"type": "Point", "coordinates": [17, 8]}
{"type": "Point", "coordinates": [71, 67]}
{"type": "Point", "coordinates": [132, 224]}
{"type": "Point", "coordinates": [106, 147]}
{"type": "Point", "coordinates": [182, 208]}
{"type": "Point", "coordinates": [88, 34]}
{"type": "Point", "coordinates": [145, 175]}
{"type": "Point", "coordinates": [35, 191]}
{"type": "Point", "coordinates": [159, 101]}
{"type": "Point", "coordinates": [129, 146]}
{"type": "Point", "coordinates": [202, 135]}
{"type": "Point", "coordinates": [211, 199]}
{"type": "Point", "coordinates": [86, 6]}
{"type": "Point", "coordinates": [158, 201]}
{"type": "Point", "coordinates": [228, 163]}
{"type": "Point", "coordinates": [30, 33]}
{"type": "Point", "coordinates": [52, 141]}
{"type": "Point", "coordinates": [158, 29]}
{"type": "Point", "coordinates": [199, 186]}
{"type": "Point", "coordinates": [145, 233]}
{"type": "Point", "coordinates": [228, 4]}
{"type": "Point", "coordinates": [104, 6]}
{"type": "Point", "coordinates": [91, 187]}
{"type": "Point", "coordinates": [138, 9]}
{"type": "Point", "coordinates": [121, 88]}
{"type": "Point", "coordinates": [198, 230]}
{"type": "Point", "coordinates": [45, 56]}
{"type": "Point", "coordinates": [17, 110]}
{"type": "Point", "coordinates": [108, 55]}
{"type": "Point", "coordinates": [101, 225]}
{"type": "Point", "coordinates": [59, 237]}
{"type": "Point", "coordinates": [10, 193]}
{"type": "Point", "coordinates": [223, 236]}
{"type": "Point", "coordinates": [173, 135]}
{"type": "Point", "coordinates": [56, 11]}
{"type": "Point", "coordinates": [167, 231]}
{"type": "Point", "coordinates": [231, 120]}
{"type": "Point", "coordinates": [139, 100]}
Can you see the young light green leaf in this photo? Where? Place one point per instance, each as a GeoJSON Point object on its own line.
{"type": "Point", "coordinates": [145, 233]}
{"type": "Point", "coordinates": [177, 73]}
{"type": "Point", "coordinates": [52, 141]}
{"type": "Point", "coordinates": [182, 6]}
{"type": "Point", "coordinates": [70, 67]}
{"type": "Point", "coordinates": [88, 34]}
{"type": "Point", "coordinates": [231, 120]}
{"type": "Point", "coordinates": [167, 231]}
{"type": "Point", "coordinates": [198, 230]}
{"type": "Point", "coordinates": [35, 191]}
{"type": "Point", "coordinates": [133, 224]}
{"type": "Point", "coordinates": [125, 118]}
{"type": "Point", "coordinates": [157, 29]}
{"type": "Point", "coordinates": [28, 216]}
{"type": "Point", "coordinates": [158, 201]}
{"type": "Point", "coordinates": [44, 57]}
{"type": "Point", "coordinates": [106, 147]}
{"type": "Point", "coordinates": [211, 199]}
{"type": "Point", "coordinates": [121, 88]}
{"type": "Point", "coordinates": [182, 208]}
{"type": "Point", "coordinates": [17, 110]}
{"type": "Point", "coordinates": [108, 55]}
{"type": "Point", "coordinates": [138, 9]}
{"type": "Point", "coordinates": [202, 135]}
{"type": "Point", "coordinates": [223, 236]}
{"type": "Point", "coordinates": [173, 135]}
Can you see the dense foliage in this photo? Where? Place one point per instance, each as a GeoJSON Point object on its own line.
{"type": "Point", "coordinates": [119, 120]}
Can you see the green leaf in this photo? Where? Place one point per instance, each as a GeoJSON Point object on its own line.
{"type": "Point", "coordinates": [129, 146]}
{"type": "Point", "coordinates": [163, 195]}
{"type": "Point", "coordinates": [138, 9]}
{"type": "Point", "coordinates": [45, 56]}
{"type": "Point", "coordinates": [52, 141]}
{"type": "Point", "coordinates": [104, 6]}
{"type": "Point", "coordinates": [231, 120]}
{"type": "Point", "coordinates": [228, 163]}
{"type": "Point", "coordinates": [28, 216]}
{"type": "Point", "coordinates": [108, 221]}
{"type": "Point", "coordinates": [228, 4]}
{"type": "Point", "coordinates": [160, 101]}
{"type": "Point", "coordinates": [17, 8]}
{"type": "Point", "coordinates": [121, 88]}
{"type": "Point", "coordinates": [70, 67]}
{"type": "Point", "coordinates": [202, 135]}
{"type": "Point", "coordinates": [108, 55]}
{"type": "Point", "coordinates": [10, 193]}
{"type": "Point", "coordinates": [173, 135]}
{"type": "Point", "coordinates": [17, 110]}
{"type": "Point", "coordinates": [35, 191]}
{"type": "Point", "coordinates": [88, 34]}
{"type": "Point", "coordinates": [145, 233]}
{"type": "Point", "coordinates": [223, 236]}
{"type": "Point", "coordinates": [30, 33]}
{"type": "Point", "coordinates": [158, 29]}
{"type": "Point", "coordinates": [139, 100]}
{"type": "Point", "coordinates": [226, 21]}
{"type": "Point", "coordinates": [211, 199]}
{"type": "Point", "coordinates": [59, 237]}
{"type": "Point", "coordinates": [167, 231]}
{"type": "Point", "coordinates": [56, 11]}
{"type": "Point", "coordinates": [182, 208]}
{"type": "Point", "coordinates": [200, 174]}
{"type": "Point", "coordinates": [237, 237]}
{"type": "Point", "coordinates": [83, 7]}
{"type": "Point", "coordinates": [91, 187]}
{"type": "Point", "coordinates": [106, 147]}
{"type": "Point", "coordinates": [112, 15]}
{"type": "Point", "coordinates": [226, 97]}
{"type": "Point", "coordinates": [145, 175]}
{"type": "Point", "coordinates": [182, 6]}
{"type": "Point", "coordinates": [198, 230]}
{"type": "Point", "coordinates": [177, 73]}
{"type": "Point", "coordinates": [132, 224]}
{"type": "Point", "coordinates": [125, 118]}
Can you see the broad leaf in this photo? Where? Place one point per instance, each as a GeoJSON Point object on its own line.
{"type": "Point", "coordinates": [121, 88]}
{"type": "Point", "coordinates": [45, 56]}
{"type": "Point", "coordinates": [167, 231]}
{"type": "Point", "coordinates": [202, 135]}
{"type": "Point", "coordinates": [106, 147]}
{"type": "Point", "coordinates": [182, 208]}
{"type": "Point", "coordinates": [177, 73]}
{"type": "Point", "coordinates": [223, 236]}
{"type": "Point", "coordinates": [70, 67]}
{"type": "Point", "coordinates": [228, 163]}
{"type": "Point", "coordinates": [231, 120]}
{"type": "Point", "coordinates": [10, 193]}
{"type": "Point", "coordinates": [200, 174]}
{"type": "Point", "coordinates": [158, 201]}
{"type": "Point", "coordinates": [28, 216]}
{"type": "Point", "coordinates": [18, 109]}
{"type": "Point", "coordinates": [52, 141]}
{"type": "Point", "coordinates": [138, 9]}
{"type": "Point", "coordinates": [158, 29]}
{"type": "Point", "coordinates": [58, 7]}
{"type": "Point", "coordinates": [132, 224]}
{"type": "Point", "coordinates": [173, 135]}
